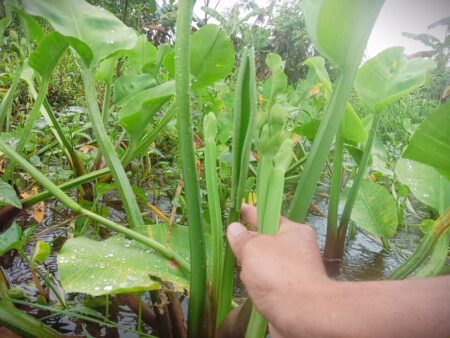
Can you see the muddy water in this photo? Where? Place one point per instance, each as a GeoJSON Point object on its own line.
{"type": "Point", "coordinates": [365, 259]}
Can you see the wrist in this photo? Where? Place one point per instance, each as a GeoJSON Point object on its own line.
{"type": "Point", "coordinates": [304, 307]}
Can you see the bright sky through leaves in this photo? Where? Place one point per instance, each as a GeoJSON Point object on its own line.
{"type": "Point", "coordinates": [397, 16]}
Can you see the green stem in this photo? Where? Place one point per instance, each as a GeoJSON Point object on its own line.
{"type": "Point", "coordinates": [191, 184]}
{"type": "Point", "coordinates": [351, 198]}
{"type": "Point", "coordinates": [65, 186]}
{"type": "Point", "coordinates": [333, 202]}
{"type": "Point", "coordinates": [34, 114]}
{"type": "Point", "coordinates": [109, 152]}
{"type": "Point", "coordinates": [6, 104]}
{"type": "Point", "coordinates": [106, 101]}
{"type": "Point", "coordinates": [150, 137]}
{"type": "Point", "coordinates": [215, 212]}
{"type": "Point", "coordinates": [245, 107]}
{"type": "Point", "coordinates": [319, 152]}
{"type": "Point", "coordinates": [257, 325]}
{"type": "Point", "coordinates": [425, 248]}
{"type": "Point", "coordinates": [74, 206]}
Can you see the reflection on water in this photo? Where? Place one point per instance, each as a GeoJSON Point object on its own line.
{"type": "Point", "coordinates": [365, 259]}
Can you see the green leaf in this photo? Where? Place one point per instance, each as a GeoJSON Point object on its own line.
{"type": "Point", "coordinates": [425, 183]}
{"type": "Point", "coordinates": [388, 76]}
{"type": "Point", "coordinates": [46, 56]}
{"type": "Point", "coordinates": [100, 30]}
{"type": "Point", "coordinates": [33, 32]}
{"type": "Point", "coordinates": [340, 29]}
{"type": "Point", "coordinates": [119, 265]}
{"type": "Point", "coordinates": [8, 195]}
{"type": "Point", "coordinates": [375, 210]}
{"type": "Point", "coordinates": [142, 53]}
{"type": "Point", "coordinates": [277, 83]}
{"type": "Point", "coordinates": [41, 252]}
{"type": "Point", "coordinates": [431, 142]}
{"type": "Point", "coordinates": [138, 111]}
{"type": "Point", "coordinates": [128, 85]}
{"type": "Point", "coordinates": [106, 68]}
{"type": "Point", "coordinates": [11, 238]}
{"type": "Point", "coordinates": [212, 55]}
{"type": "Point", "coordinates": [3, 24]}
{"type": "Point", "coordinates": [437, 259]}
{"type": "Point", "coordinates": [352, 127]}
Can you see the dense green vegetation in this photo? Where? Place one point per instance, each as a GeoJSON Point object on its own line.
{"type": "Point", "coordinates": [138, 131]}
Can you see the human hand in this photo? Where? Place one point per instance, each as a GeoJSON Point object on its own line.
{"type": "Point", "coordinates": [276, 268]}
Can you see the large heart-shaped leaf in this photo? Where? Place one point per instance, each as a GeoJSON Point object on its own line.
{"type": "Point", "coordinates": [388, 76]}
{"type": "Point", "coordinates": [425, 182]}
{"type": "Point", "coordinates": [119, 265]}
{"type": "Point", "coordinates": [142, 53]}
{"type": "Point", "coordinates": [100, 30]}
{"type": "Point", "coordinates": [8, 195]}
{"type": "Point", "coordinates": [127, 86]}
{"type": "Point", "coordinates": [46, 56]}
{"type": "Point", "coordinates": [212, 55]}
{"type": "Point", "coordinates": [338, 28]}
{"type": "Point", "coordinates": [139, 109]}
{"type": "Point", "coordinates": [375, 210]}
{"type": "Point", "coordinates": [430, 144]}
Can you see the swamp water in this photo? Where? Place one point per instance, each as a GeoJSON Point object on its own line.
{"type": "Point", "coordinates": [365, 259]}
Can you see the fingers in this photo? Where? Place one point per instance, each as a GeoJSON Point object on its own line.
{"type": "Point", "coordinates": [249, 215]}
{"type": "Point", "coordinates": [238, 235]}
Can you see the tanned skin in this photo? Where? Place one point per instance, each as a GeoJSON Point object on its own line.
{"type": "Point", "coordinates": [287, 282]}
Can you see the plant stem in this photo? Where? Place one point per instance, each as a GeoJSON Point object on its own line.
{"type": "Point", "coordinates": [351, 198]}
{"type": "Point", "coordinates": [257, 325]}
{"type": "Point", "coordinates": [34, 114]}
{"type": "Point", "coordinates": [65, 186]}
{"type": "Point", "coordinates": [215, 212]}
{"type": "Point", "coordinates": [74, 206]}
{"type": "Point", "coordinates": [6, 104]}
{"type": "Point", "coordinates": [245, 105]}
{"type": "Point", "coordinates": [426, 246]}
{"type": "Point", "coordinates": [318, 154]}
{"type": "Point", "coordinates": [333, 202]}
{"type": "Point", "coordinates": [145, 142]}
{"type": "Point", "coordinates": [108, 151]}
{"type": "Point", "coordinates": [191, 184]}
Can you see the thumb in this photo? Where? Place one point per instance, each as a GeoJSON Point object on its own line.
{"type": "Point", "coordinates": [238, 235]}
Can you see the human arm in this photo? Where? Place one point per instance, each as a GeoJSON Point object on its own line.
{"type": "Point", "coordinates": [287, 282]}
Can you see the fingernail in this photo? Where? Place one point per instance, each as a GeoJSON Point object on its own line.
{"type": "Point", "coordinates": [234, 229]}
